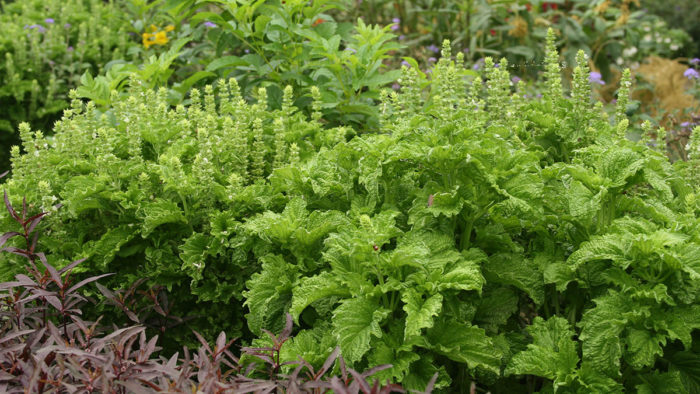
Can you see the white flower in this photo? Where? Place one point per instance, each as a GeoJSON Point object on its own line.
{"type": "Point", "coordinates": [629, 52]}
{"type": "Point", "coordinates": [647, 28]}
{"type": "Point", "coordinates": [619, 61]}
{"type": "Point", "coordinates": [647, 38]}
{"type": "Point", "coordinates": [674, 47]}
{"type": "Point", "coordinates": [667, 40]}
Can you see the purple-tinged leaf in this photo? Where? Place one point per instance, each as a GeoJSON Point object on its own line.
{"type": "Point", "coordinates": [55, 276]}
{"type": "Point", "coordinates": [86, 281]}
{"type": "Point", "coordinates": [220, 342]}
{"type": "Point", "coordinates": [5, 237]}
{"type": "Point", "coordinates": [203, 342]}
{"type": "Point", "coordinates": [136, 388]}
{"type": "Point", "coordinates": [287, 329]}
{"type": "Point", "coordinates": [338, 386]}
{"type": "Point", "coordinates": [34, 221]}
{"type": "Point", "coordinates": [71, 266]}
{"type": "Point", "coordinates": [32, 246]}
{"type": "Point", "coordinates": [17, 251]}
{"type": "Point", "coordinates": [25, 280]}
{"type": "Point", "coordinates": [330, 360]}
{"type": "Point", "coordinates": [360, 380]}
{"type": "Point", "coordinates": [10, 209]}
{"type": "Point", "coordinates": [13, 335]}
{"type": "Point", "coordinates": [375, 369]}
{"type": "Point", "coordinates": [9, 285]}
{"type": "Point", "coordinates": [55, 302]}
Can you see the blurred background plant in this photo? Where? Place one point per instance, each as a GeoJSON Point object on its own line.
{"type": "Point", "coordinates": [611, 32]}
{"type": "Point", "coordinates": [682, 14]}
{"type": "Point", "coordinates": [45, 47]}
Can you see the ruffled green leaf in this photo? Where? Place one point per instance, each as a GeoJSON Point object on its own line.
{"type": "Point", "coordinates": [420, 311]}
{"type": "Point", "coordinates": [355, 321]}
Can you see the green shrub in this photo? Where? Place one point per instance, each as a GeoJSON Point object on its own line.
{"type": "Point", "coordinates": [524, 244]}
{"type": "Point", "coordinates": [46, 46]}
{"type": "Point", "coordinates": [297, 43]}
{"type": "Point", "coordinates": [150, 191]}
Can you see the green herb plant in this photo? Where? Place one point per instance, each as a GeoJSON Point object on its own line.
{"type": "Point", "coordinates": [274, 44]}
{"type": "Point", "coordinates": [526, 245]}
{"type": "Point", "coordinates": [46, 46]}
{"type": "Point", "coordinates": [155, 192]}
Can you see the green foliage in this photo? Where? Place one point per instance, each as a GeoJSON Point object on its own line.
{"type": "Point", "coordinates": [473, 215]}
{"type": "Point", "coordinates": [46, 46]}
{"type": "Point", "coordinates": [161, 193]}
{"type": "Point", "coordinates": [297, 43]}
{"type": "Point", "coordinates": [522, 244]}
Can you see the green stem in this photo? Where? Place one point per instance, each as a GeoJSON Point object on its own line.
{"type": "Point", "coordinates": [184, 203]}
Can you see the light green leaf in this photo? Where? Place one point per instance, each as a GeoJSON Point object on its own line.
{"type": "Point", "coordinates": [419, 312]}
{"type": "Point", "coordinates": [643, 346]}
{"type": "Point", "coordinates": [601, 329]}
{"type": "Point", "coordinates": [315, 288]}
{"type": "Point", "coordinates": [463, 343]}
{"type": "Point", "coordinates": [355, 321]}
{"type": "Point", "coordinates": [552, 353]}
{"type": "Point", "coordinates": [512, 269]}
{"type": "Point", "coordinates": [193, 254]}
{"type": "Point", "coordinates": [269, 294]}
{"type": "Point", "coordinates": [160, 212]}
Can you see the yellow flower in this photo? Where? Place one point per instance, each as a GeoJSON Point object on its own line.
{"type": "Point", "coordinates": [155, 37]}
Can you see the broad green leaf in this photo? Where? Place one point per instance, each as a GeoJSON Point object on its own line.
{"type": "Point", "coordinates": [601, 329]}
{"type": "Point", "coordinates": [160, 212]}
{"type": "Point", "coordinates": [103, 250]}
{"type": "Point", "coordinates": [315, 288]}
{"type": "Point", "coordinates": [420, 311]}
{"type": "Point", "coordinates": [355, 321]}
{"type": "Point", "coordinates": [687, 364]}
{"type": "Point", "coordinates": [269, 294]}
{"type": "Point", "coordinates": [463, 343]}
{"type": "Point", "coordinates": [643, 347]}
{"type": "Point", "coordinates": [552, 353]}
{"type": "Point", "coordinates": [514, 270]}
{"type": "Point", "coordinates": [662, 383]}
{"type": "Point", "coordinates": [193, 254]}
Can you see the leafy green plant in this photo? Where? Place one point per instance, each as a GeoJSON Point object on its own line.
{"type": "Point", "coordinates": [156, 192]}
{"type": "Point", "coordinates": [47, 346]}
{"type": "Point", "coordinates": [46, 46]}
{"type": "Point", "coordinates": [524, 244]}
{"type": "Point", "coordinates": [273, 44]}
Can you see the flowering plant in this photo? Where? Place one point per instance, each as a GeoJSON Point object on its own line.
{"type": "Point", "coordinates": [46, 46]}
{"type": "Point", "coordinates": [155, 37]}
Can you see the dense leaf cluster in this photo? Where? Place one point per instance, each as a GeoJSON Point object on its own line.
{"type": "Point", "coordinates": [524, 244]}
{"type": "Point", "coordinates": [46, 47]}
{"type": "Point", "coordinates": [47, 346]}
{"type": "Point", "coordinates": [156, 192]}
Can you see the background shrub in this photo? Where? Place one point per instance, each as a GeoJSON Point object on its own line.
{"type": "Point", "coordinates": [46, 46]}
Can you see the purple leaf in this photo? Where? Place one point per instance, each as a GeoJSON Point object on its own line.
{"type": "Point", "coordinates": [5, 237]}
{"type": "Point", "coordinates": [86, 281]}
{"type": "Point", "coordinates": [71, 266]}
{"type": "Point", "coordinates": [55, 276]}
